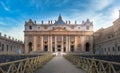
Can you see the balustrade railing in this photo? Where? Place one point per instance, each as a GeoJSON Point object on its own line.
{"type": "Point", "coordinates": [28, 65]}
{"type": "Point", "coordinates": [91, 65]}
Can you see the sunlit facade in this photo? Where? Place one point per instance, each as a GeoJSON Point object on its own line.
{"type": "Point", "coordinates": [58, 36]}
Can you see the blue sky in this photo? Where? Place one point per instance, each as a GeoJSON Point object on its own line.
{"type": "Point", "coordinates": [13, 13]}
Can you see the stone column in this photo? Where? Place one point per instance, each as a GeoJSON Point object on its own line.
{"type": "Point", "coordinates": [83, 43]}
{"type": "Point", "coordinates": [66, 43]}
{"type": "Point", "coordinates": [42, 43]}
{"type": "Point", "coordinates": [55, 44]}
{"type": "Point", "coordinates": [26, 44]}
{"type": "Point", "coordinates": [48, 44]}
{"type": "Point", "coordinates": [35, 43]}
{"type": "Point", "coordinates": [51, 43]}
{"type": "Point", "coordinates": [75, 43]}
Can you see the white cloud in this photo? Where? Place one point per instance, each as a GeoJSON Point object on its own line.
{"type": "Point", "coordinates": [4, 6]}
{"type": "Point", "coordinates": [115, 11]}
{"type": "Point", "coordinates": [102, 19]}
{"type": "Point", "coordinates": [100, 4]}
{"type": "Point", "coordinates": [99, 19]}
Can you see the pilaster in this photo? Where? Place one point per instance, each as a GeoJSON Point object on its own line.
{"type": "Point", "coordinates": [35, 43]}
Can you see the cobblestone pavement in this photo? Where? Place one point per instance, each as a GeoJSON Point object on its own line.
{"type": "Point", "coordinates": [59, 65]}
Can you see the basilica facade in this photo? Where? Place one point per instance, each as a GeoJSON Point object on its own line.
{"type": "Point", "coordinates": [58, 36]}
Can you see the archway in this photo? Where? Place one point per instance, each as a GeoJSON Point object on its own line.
{"type": "Point", "coordinates": [45, 48]}
{"type": "Point", "coordinates": [87, 47]}
{"type": "Point", "coordinates": [30, 46]}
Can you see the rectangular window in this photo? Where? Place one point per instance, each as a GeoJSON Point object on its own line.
{"type": "Point", "coordinates": [0, 44]}
{"type": "Point", "coordinates": [7, 47]}
{"type": "Point", "coordinates": [2, 47]}
{"type": "Point", "coordinates": [87, 27]}
{"type": "Point", "coordinates": [30, 27]}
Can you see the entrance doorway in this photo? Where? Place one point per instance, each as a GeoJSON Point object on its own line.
{"type": "Point", "coordinates": [87, 47]}
{"type": "Point", "coordinates": [45, 48]}
{"type": "Point", "coordinates": [72, 48]}
{"type": "Point", "coordinates": [30, 46]}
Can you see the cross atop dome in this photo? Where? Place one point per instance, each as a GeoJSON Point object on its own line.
{"type": "Point", "coordinates": [59, 21]}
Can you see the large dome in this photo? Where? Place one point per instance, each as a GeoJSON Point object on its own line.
{"type": "Point", "coordinates": [59, 21]}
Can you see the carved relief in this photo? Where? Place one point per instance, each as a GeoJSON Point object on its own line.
{"type": "Point", "coordinates": [59, 29]}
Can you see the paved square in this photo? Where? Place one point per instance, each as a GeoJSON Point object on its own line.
{"type": "Point", "coordinates": [59, 65]}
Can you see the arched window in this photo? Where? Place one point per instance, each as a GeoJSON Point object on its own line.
{"type": "Point", "coordinates": [45, 48]}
